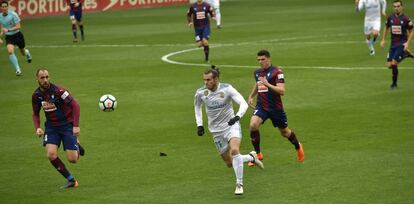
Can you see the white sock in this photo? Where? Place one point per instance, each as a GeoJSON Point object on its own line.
{"type": "Point", "coordinates": [238, 168]}
{"type": "Point", "coordinates": [247, 158]}
{"type": "Point", "coordinates": [218, 16]}
{"type": "Point", "coordinates": [28, 55]}
{"type": "Point", "coordinates": [369, 43]}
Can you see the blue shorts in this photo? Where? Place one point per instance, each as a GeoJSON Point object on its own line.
{"type": "Point", "coordinates": [64, 134]}
{"type": "Point", "coordinates": [278, 117]}
{"type": "Point", "coordinates": [396, 53]}
{"type": "Point", "coordinates": [77, 15]}
{"type": "Point", "coordinates": [201, 33]}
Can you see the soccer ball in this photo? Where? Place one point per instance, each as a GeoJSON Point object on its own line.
{"type": "Point", "coordinates": [107, 103]}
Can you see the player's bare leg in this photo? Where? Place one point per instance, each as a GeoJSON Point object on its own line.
{"type": "Point", "coordinates": [290, 135]}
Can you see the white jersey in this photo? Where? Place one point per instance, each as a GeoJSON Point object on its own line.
{"type": "Point", "coordinates": [373, 9]}
{"type": "Point", "coordinates": [214, 3]}
{"type": "Point", "coordinates": [219, 106]}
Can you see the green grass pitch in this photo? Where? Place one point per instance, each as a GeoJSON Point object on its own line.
{"type": "Point", "coordinates": [357, 134]}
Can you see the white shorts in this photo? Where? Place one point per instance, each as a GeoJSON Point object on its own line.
{"type": "Point", "coordinates": [221, 139]}
{"type": "Point", "coordinates": [370, 26]}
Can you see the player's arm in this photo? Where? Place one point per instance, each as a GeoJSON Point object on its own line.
{"type": "Point", "coordinates": [279, 88]}
{"type": "Point", "coordinates": [36, 118]}
{"type": "Point", "coordinates": [212, 12]}
{"type": "Point", "coordinates": [252, 95]}
{"type": "Point", "coordinates": [384, 35]}
{"type": "Point", "coordinates": [76, 115]}
{"type": "Point", "coordinates": [410, 35]}
{"type": "Point", "coordinates": [198, 114]}
{"type": "Point", "coordinates": [189, 17]}
{"type": "Point", "coordinates": [384, 8]}
{"type": "Point", "coordinates": [238, 98]}
{"type": "Point", "coordinates": [74, 105]}
{"type": "Point", "coordinates": [359, 5]}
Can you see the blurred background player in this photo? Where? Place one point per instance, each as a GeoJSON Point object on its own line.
{"type": "Point", "coordinates": [216, 8]}
{"type": "Point", "coordinates": [372, 22]}
{"type": "Point", "coordinates": [62, 123]}
{"type": "Point", "coordinates": [401, 35]}
{"type": "Point", "coordinates": [269, 87]}
{"type": "Point", "coordinates": [75, 14]}
{"type": "Point", "coordinates": [222, 123]}
{"type": "Point", "coordinates": [198, 15]}
{"type": "Point", "coordinates": [10, 26]}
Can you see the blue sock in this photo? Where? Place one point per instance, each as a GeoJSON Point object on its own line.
{"type": "Point", "coordinates": [70, 178]}
{"type": "Point", "coordinates": [13, 60]}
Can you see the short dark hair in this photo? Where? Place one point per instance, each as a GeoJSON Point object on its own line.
{"type": "Point", "coordinates": [396, 1]}
{"type": "Point", "coordinates": [264, 53]}
{"type": "Point", "coordinates": [4, 2]}
{"type": "Point", "coordinates": [41, 69]}
{"type": "Point", "coordinates": [214, 70]}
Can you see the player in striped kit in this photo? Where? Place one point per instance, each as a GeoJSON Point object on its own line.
{"type": "Point", "coordinates": [62, 113]}
{"type": "Point", "coordinates": [75, 14]}
{"type": "Point", "coordinates": [401, 28]}
{"type": "Point", "coordinates": [199, 15]}
{"type": "Point", "coordinates": [269, 87]}
{"type": "Point", "coordinates": [372, 22]}
{"type": "Point", "coordinates": [223, 123]}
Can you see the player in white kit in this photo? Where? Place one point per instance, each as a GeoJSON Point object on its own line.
{"type": "Point", "coordinates": [216, 7]}
{"type": "Point", "coordinates": [223, 123]}
{"type": "Point", "coordinates": [372, 22]}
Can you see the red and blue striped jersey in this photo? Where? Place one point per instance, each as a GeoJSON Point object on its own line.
{"type": "Point", "coordinates": [200, 14]}
{"type": "Point", "coordinates": [59, 106]}
{"type": "Point", "coordinates": [399, 26]}
{"type": "Point", "coordinates": [71, 3]}
{"type": "Point", "coordinates": [266, 98]}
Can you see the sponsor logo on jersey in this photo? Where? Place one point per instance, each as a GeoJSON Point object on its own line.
{"type": "Point", "coordinates": [280, 76]}
{"type": "Point", "coordinates": [396, 30]}
{"type": "Point", "coordinates": [64, 95]}
{"type": "Point", "coordinates": [200, 15]}
{"type": "Point", "coordinates": [48, 107]}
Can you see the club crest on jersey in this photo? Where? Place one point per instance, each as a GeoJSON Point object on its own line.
{"type": "Point", "coordinates": [52, 96]}
{"type": "Point", "coordinates": [206, 93]}
{"type": "Point", "coordinates": [221, 95]}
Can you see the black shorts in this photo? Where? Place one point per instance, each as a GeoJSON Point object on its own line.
{"type": "Point", "coordinates": [16, 39]}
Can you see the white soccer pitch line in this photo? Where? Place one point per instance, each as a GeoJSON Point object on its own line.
{"type": "Point", "coordinates": [166, 57]}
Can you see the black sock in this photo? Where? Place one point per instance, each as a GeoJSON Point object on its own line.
{"type": "Point", "coordinates": [60, 167]}
{"type": "Point", "coordinates": [74, 31]}
{"type": "Point", "coordinates": [81, 29]}
{"type": "Point", "coordinates": [255, 138]}
{"type": "Point", "coordinates": [374, 39]}
{"type": "Point", "coordinates": [206, 51]}
{"type": "Point", "coordinates": [394, 74]}
{"type": "Point", "coordinates": [292, 138]}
